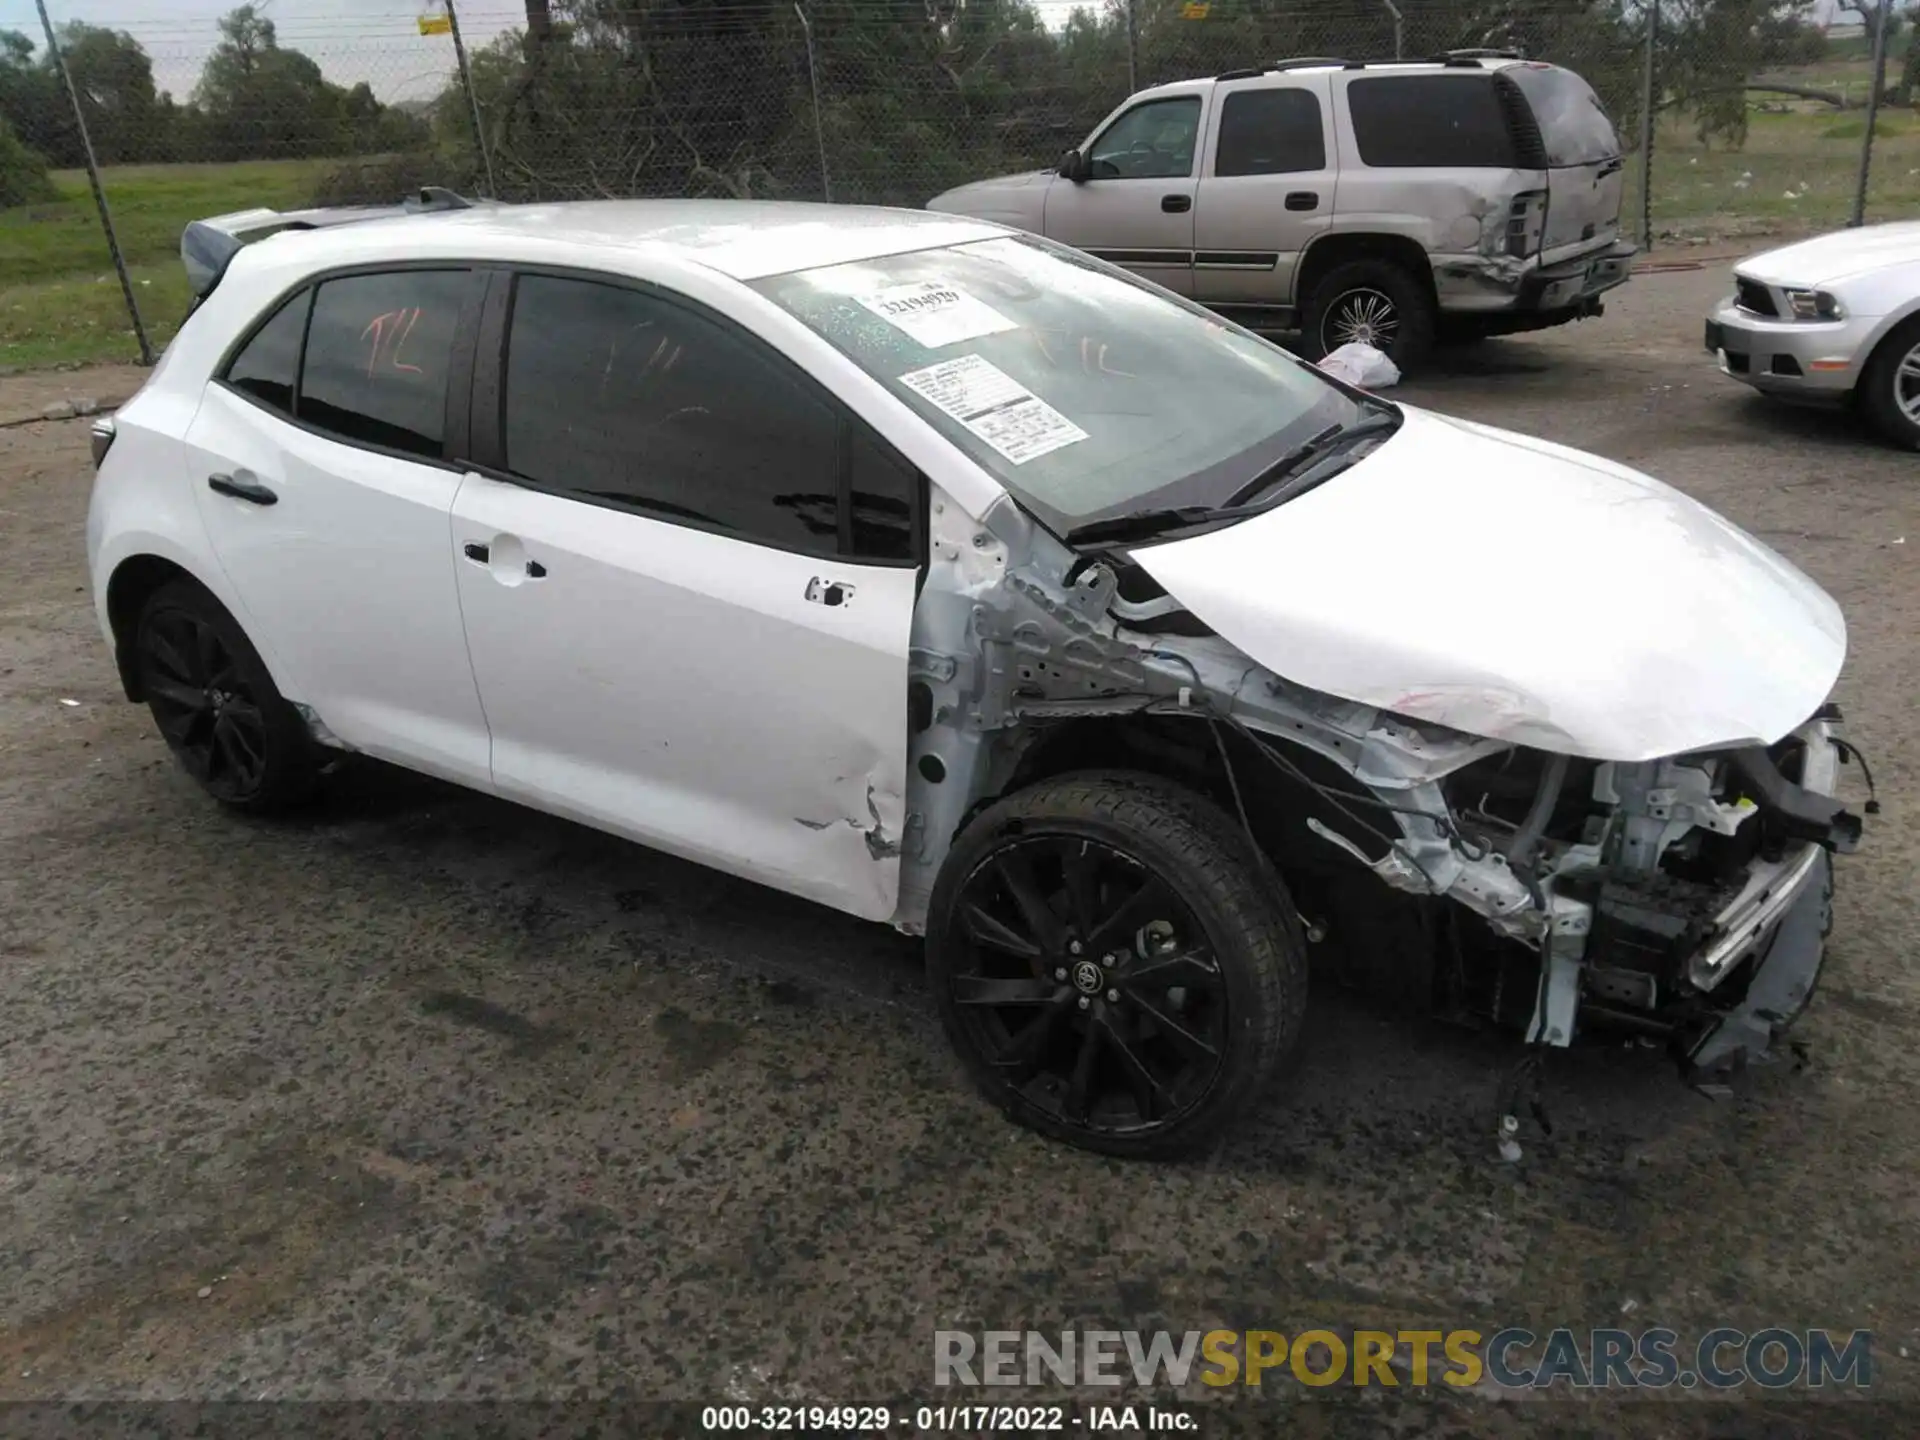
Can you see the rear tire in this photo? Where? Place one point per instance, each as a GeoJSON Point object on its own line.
{"type": "Point", "coordinates": [217, 707]}
{"type": "Point", "coordinates": [1370, 298]}
{"type": "Point", "coordinates": [1117, 965]}
{"type": "Point", "coordinates": [1890, 386]}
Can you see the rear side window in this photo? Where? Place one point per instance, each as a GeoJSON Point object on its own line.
{"type": "Point", "coordinates": [1574, 128]}
{"type": "Point", "coordinates": [620, 397]}
{"type": "Point", "coordinates": [268, 365]}
{"type": "Point", "coordinates": [1270, 132]}
{"type": "Point", "coordinates": [378, 349]}
{"type": "Point", "coordinates": [1429, 122]}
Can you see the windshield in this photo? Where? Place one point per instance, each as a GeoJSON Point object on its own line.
{"type": "Point", "coordinates": [1080, 389]}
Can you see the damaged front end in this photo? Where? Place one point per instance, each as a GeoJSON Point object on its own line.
{"type": "Point", "coordinates": [1684, 898]}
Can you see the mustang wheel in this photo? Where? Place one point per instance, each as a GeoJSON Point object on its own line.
{"type": "Point", "coordinates": [1115, 963]}
{"type": "Point", "coordinates": [215, 704]}
{"type": "Point", "coordinates": [1890, 388]}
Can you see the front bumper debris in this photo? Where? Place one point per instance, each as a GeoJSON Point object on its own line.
{"type": "Point", "coordinates": [1783, 980]}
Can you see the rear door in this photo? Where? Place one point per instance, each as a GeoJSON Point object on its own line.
{"type": "Point", "coordinates": [322, 475]}
{"type": "Point", "coordinates": [1585, 170]}
{"type": "Point", "coordinates": [1136, 206]}
{"type": "Point", "coordinates": [688, 577]}
{"type": "Point", "coordinates": [1266, 190]}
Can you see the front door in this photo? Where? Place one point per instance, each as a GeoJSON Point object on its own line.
{"type": "Point", "coordinates": [1135, 206]}
{"type": "Point", "coordinates": [678, 631]}
{"type": "Point", "coordinates": [328, 509]}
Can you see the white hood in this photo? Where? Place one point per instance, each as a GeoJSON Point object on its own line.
{"type": "Point", "coordinates": [1828, 259]}
{"type": "Point", "coordinates": [1516, 589]}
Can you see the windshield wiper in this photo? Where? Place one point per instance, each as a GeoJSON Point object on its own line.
{"type": "Point", "coordinates": [1297, 459]}
{"type": "Point", "coordinates": [1140, 524]}
{"type": "Point", "coordinates": [1146, 524]}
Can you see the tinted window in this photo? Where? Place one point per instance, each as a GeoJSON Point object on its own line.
{"type": "Point", "coordinates": [620, 396]}
{"type": "Point", "coordinates": [1270, 132]}
{"type": "Point", "coordinates": [880, 488]}
{"type": "Point", "coordinates": [1150, 141]}
{"type": "Point", "coordinates": [377, 355]}
{"type": "Point", "coordinates": [1429, 120]}
{"type": "Point", "coordinates": [269, 364]}
{"type": "Point", "coordinates": [1573, 127]}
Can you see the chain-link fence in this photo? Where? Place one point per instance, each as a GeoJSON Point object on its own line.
{"type": "Point", "coordinates": [1741, 118]}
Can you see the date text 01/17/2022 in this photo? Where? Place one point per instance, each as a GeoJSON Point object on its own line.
{"type": "Point", "coordinates": [941, 1419]}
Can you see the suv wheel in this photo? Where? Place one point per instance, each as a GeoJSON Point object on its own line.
{"type": "Point", "coordinates": [1890, 388]}
{"type": "Point", "coordinates": [1116, 964]}
{"type": "Point", "coordinates": [1370, 302]}
{"type": "Point", "coordinates": [215, 704]}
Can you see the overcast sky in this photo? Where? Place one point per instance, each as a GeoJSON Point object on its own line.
{"type": "Point", "coordinates": [352, 40]}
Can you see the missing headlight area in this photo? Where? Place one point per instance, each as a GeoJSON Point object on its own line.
{"type": "Point", "coordinates": [1682, 899]}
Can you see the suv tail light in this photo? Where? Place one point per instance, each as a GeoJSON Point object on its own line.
{"type": "Point", "coordinates": [101, 437]}
{"type": "Point", "coordinates": [1526, 222]}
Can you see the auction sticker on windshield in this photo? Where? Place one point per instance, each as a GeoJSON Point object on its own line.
{"type": "Point", "coordinates": [933, 314]}
{"type": "Point", "coordinates": [994, 406]}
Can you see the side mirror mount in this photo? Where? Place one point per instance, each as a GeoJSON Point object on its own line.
{"type": "Point", "coordinates": [1073, 166]}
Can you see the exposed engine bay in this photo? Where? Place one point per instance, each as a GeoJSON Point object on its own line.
{"type": "Point", "coordinates": [1682, 898]}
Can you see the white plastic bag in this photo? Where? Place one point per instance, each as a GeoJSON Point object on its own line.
{"type": "Point", "coordinates": [1362, 365]}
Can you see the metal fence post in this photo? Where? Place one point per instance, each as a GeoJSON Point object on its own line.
{"type": "Point", "coordinates": [1882, 12]}
{"type": "Point", "coordinates": [1399, 28]}
{"type": "Point", "coordinates": [1647, 95]}
{"type": "Point", "coordinates": [99, 193]}
{"type": "Point", "coordinates": [1133, 50]}
{"type": "Point", "coordinates": [813, 86]}
{"type": "Point", "coordinates": [473, 100]}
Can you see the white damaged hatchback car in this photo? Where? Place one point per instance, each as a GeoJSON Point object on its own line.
{"type": "Point", "coordinates": [953, 579]}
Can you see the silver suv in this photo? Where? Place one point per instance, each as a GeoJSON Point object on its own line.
{"type": "Point", "coordinates": [1475, 194]}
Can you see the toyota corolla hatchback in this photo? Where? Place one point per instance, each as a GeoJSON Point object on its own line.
{"type": "Point", "coordinates": [961, 582]}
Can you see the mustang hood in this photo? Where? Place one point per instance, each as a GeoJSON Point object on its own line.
{"type": "Point", "coordinates": [1828, 259]}
{"type": "Point", "coordinates": [1515, 589]}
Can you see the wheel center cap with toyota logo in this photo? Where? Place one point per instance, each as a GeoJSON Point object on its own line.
{"type": "Point", "coordinates": [1087, 978]}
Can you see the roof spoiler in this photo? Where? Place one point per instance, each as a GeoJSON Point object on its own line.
{"type": "Point", "coordinates": [208, 246]}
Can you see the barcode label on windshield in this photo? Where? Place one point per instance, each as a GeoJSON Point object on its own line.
{"type": "Point", "coordinates": [994, 406]}
{"type": "Point", "coordinates": [933, 314]}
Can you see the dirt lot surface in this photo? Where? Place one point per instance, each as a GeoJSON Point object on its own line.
{"type": "Point", "coordinates": [429, 1096]}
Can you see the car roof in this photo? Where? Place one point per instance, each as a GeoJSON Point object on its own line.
{"type": "Point", "coordinates": [1475, 64]}
{"type": "Point", "coordinates": [743, 239]}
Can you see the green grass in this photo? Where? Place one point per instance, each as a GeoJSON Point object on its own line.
{"type": "Point", "coordinates": [59, 298]}
{"type": "Point", "coordinates": [1713, 193]}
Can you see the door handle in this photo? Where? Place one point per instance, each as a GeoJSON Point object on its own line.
{"type": "Point", "coordinates": [242, 485]}
{"type": "Point", "coordinates": [1176, 204]}
{"type": "Point", "coordinates": [828, 592]}
{"type": "Point", "coordinates": [483, 554]}
{"type": "Point", "coordinates": [1303, 200]}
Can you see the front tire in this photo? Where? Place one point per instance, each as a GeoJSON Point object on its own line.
{"type": "Point", "coordinates": [1890, 386]}
{"type": "Point", "coordinates": [216, 706]}
{"type": "Point", "coordinates": [1375, 302]}
{"type": "Point", "coordinates": [1115, 962]}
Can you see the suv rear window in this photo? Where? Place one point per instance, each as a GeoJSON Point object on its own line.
{"type": "Point", "coordinates": [1430, 122]}
{"type": "Point", "coordinates": [1573, 126]}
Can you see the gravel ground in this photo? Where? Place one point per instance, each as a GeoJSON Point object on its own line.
{"type": "Point", "coordinates": [428, 1096]}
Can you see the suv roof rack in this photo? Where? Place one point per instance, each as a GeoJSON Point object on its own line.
{"type": "Point", "coordinates": [1309, 62]}
{"type": "Point", "coordinates": [1472, 56]}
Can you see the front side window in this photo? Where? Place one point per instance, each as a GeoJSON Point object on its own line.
{"type": "Point", "coordinates": [378, 350]}
{"type": "Point", "coordinates": [1082, 390]}
{"type": "Point", "coordinates": [1270, 132]}
{"type": "Point", "coordinates": [621, 397]}
{"type": "Point", "coordinates": [1430, 121]}
{"type": "Point", "coordinates": [1153, 141]}
{"type": "Point", "coordinates": [267, 367]}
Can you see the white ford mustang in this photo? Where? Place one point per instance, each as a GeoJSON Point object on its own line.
{"type": "Point", "coordinates": [950, 578]}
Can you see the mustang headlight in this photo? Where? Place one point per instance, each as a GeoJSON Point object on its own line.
{"type": "Point", "coordinates": [1814, 305]}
